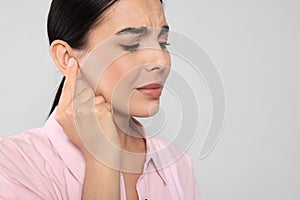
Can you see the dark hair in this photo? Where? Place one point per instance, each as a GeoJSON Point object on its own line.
{"type": "Point", "coordinates": [71, 21]}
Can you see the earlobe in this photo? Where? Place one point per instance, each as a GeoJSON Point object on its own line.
{"type": "Point", "coordinates": [61, 52]}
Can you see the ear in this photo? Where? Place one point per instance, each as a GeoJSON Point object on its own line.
{"type": "Point", "coordinates": [61, 53]}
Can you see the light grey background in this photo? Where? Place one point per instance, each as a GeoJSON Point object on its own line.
{"type": "Point", "coordinates": [255, 45]}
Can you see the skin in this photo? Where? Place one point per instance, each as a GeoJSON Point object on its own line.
{"type": "Point", "coordinates": [121, 77]}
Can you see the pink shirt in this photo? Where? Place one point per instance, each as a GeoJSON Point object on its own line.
{"type": "Point", "coordinates": [43, 164]}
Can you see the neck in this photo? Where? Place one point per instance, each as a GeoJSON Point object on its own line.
{"type": "Point", "coordinates": [131, 141]}
{"type": "Point", "coordinates": [128, 130]}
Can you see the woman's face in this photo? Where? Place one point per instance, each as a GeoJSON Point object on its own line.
{"type": "Point", "coordinates": [130, 44]}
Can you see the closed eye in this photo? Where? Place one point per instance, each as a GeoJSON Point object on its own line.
{"type": "Point", "coordinates": [131, 48]}
{"type": "Point", "coordinates": [134, 47]}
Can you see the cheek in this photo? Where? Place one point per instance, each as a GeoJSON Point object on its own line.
{"type": "Point", "coordinates": [113, 76]}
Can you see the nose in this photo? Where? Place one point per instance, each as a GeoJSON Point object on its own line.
{"type": "Point", "coordinates": [157, 59]}
{"type": "Point", "coordinates": [152, 67]}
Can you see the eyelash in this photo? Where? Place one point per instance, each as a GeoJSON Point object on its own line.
{"type": "Point", "coordinates": [134, 47]}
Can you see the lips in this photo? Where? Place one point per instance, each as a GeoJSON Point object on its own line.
{"type": "Point", "coordinates": [152, 90]}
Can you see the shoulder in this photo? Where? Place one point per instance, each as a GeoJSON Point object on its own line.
{"type": "Point", "coordinates": [26, 144]}
{"type": "Point", "coordinates": [29, 165]}
{"type": "Point", "coordinates": [29, 153]}
{"type": "Point", "coordinates": [27, 148]}
{"type": "Point", "coordinates": [23, 140]}
{"type": "Point", "coordinates": [29, 136]}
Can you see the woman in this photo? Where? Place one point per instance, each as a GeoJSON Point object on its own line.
{"type": "Point", "coordinates": [91, 147]}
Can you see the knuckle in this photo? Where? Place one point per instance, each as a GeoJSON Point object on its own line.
{"type": "Point", "coordinates": [102, 110]}
{"type": "Point", "coordinates": [84, 110]}
{"type": "Point", "coordinates": [99, 99]}
{"type": "Point", "coordinates": [90, 93]}
{"type": "Point", "coordinates": [63, 113]}
{"type": "Point", "coordinates": [107, 106]}
{"type": "Point", "coordinates": [81, 110]}
{"type": "Point", "coordinates": [58, 117]}
{"type": "Point", "coordinates": [69, 112]}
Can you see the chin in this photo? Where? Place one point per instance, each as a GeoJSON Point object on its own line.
{"type": "Point", "coordinates": [145, 111]}
{"type": "Point", "coordinates": [153, 110]}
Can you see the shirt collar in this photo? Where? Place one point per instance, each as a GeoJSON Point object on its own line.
{"type": "Point", "coordinates": [152, 156]}
{"type": "Point", "coordinates": [74, 159]}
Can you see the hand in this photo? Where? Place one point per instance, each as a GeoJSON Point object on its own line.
{"type": "Point", "coordinates": [87, 119]}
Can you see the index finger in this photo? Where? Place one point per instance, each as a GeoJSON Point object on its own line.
{"type": "Point", "coordinates": [69, 84]}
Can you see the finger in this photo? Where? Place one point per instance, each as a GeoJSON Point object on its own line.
{"type": "Point", "coordinates": [69, 84]}
{"type": "Point", "coordinates": [82, 97]}
{"type": "Point", "coordinates": [103, 107]}
{"type": "Point", "coordinates": [99, 99]}
{"type": "Point", "coordinates": [89, 104]}
{"type": "Point", "coordinates": [107, 106]}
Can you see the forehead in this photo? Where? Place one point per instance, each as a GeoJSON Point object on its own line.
{"type": "Point", "coordinates": [147, 13]}
{"type": "Point", "coordinates": [128, 13]}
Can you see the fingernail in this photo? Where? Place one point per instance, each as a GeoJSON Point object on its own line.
{"type": "Point", "coordinates": [71, 62]}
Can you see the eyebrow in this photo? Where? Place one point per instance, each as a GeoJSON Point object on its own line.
{"type": "Point", "coordinates": [141, 30]}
